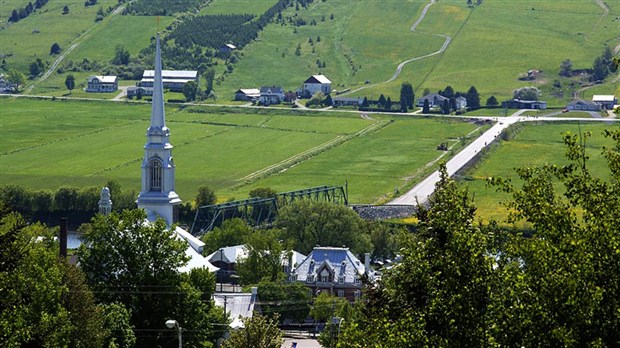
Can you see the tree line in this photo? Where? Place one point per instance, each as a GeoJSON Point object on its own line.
{"type": "Point", "coordinates": [162, 7]}
{"type": "Point", "coordinates": [23, 12]}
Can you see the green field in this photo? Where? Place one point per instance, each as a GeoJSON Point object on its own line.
{"type": "Point", "coordinates": [47, 144]}
{"type": "Point", "coordinates": [534, 145]}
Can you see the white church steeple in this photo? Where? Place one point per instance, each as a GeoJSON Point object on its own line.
{"type": "Point", "coordinates": [157, 195]}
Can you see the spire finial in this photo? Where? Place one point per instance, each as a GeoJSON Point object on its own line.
{"type": "Point", "coordinates": [158, 117]}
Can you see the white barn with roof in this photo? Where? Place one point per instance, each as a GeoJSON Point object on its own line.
{"type": "Point", "coordinates": [172, 79]}
{"type": "Point", "coordinates": [314, 84]}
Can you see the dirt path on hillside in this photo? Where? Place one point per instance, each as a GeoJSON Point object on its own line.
{"type": "Point", "coordinates": [65, 52]}
{"type": "Point", "coordinates": [400, 66]}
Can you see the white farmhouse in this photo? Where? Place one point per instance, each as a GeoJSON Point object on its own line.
{"type": "Point", "coordinates": [316, 83]}
{"type": "Point", "coordinates": [97, 84]}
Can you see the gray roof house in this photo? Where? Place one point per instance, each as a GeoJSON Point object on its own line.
{"type": "Point", "coordinates": [583, 105]}
{"type": "Point", "coordinates": [434, 99]}
{"type": "Point", "coordinates": [335, 270]}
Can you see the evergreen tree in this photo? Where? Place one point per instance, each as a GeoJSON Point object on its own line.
{"type": "Point", "coordinates": [381, 101]}
{"type": "Point", "coordinates": [55, 49]}
{"type": "Point", "coordinates": [492, 102]}
{"type": "Point", "coordinates": [445, 107]}
{"type": "Point", "coordinates": [406, 93]}
{"type": "Point", "coordinates": [70, 82]}
{"type": "Point", "coordinates": [426, 108]}
{"type": "Point", "coordinates": [473, 98]}
{"type": "Point", "coordinates": [388, 104]}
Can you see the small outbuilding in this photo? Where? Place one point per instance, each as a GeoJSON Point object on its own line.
{"type": "Point", "coordinates": [248, 94]}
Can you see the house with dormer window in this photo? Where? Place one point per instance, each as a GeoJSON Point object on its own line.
{"type": "Point", "coordinates": [335, 270]}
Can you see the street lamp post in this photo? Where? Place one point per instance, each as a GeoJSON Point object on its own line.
{"type": "Point", "coordinates": [171, 324]}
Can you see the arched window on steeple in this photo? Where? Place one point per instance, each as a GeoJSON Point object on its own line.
{"type": "Point", "coordinates": [156, 174]}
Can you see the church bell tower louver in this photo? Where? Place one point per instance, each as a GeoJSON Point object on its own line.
{"type": "Point", "coordinates": [157, 195]}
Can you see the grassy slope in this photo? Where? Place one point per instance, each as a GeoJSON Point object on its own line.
{"type": "Point", "coordinates": [492, 45]}
{"type": "Point", "coordinates": [24, 46]}
{"type": "Point", "coordinates": [75, 143]}
{"type": "Point", "coordinates": [534, 145]}
{"type": "Point", "coordinates": [238, 6]}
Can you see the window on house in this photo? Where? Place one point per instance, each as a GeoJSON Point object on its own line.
{"type": "Point", "coordinates": [155, 175]}
{"type": "Point", "coordinates": [358, 280]}
{"type": "Point", "coordinates": [341, 279]}
{"type": "Point", "coordinates": [340, 293]}
{"type": "Point", "coordinates": [325, 278]}
{"type": "Point", "coordinates": [357, 294]}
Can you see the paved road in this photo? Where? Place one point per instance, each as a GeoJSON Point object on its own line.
{"type": "Point", "coordinates": [426, 187]}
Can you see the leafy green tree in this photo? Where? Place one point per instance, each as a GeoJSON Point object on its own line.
{"type": "Point", "coordinates": [306, 224]}
{"type": "Point", "coordinates": [566, 68]}
{"type": "Point", "coordinates": [205, 196]}
{"type": "Point", "coordinates": [36, 68]}
{"type": "Point", "coordinates": [259, 332]}
{"type": "Point", "coordinates": [561, 285]}
{"type": "Point", "coordinates": [55, 49]}
{"type": "Point", "coordinates": [135, 263]}
{"type": "Point", "coordinates": [426, 107]}
{"type": "Point", "coordinates": [70, 82]}
{"type": "Point", "coordinates": [209, 77]}
{"type": "Point", "coordinates": [16, 78]}
{"type": "Point", "coordinates": [190, 89]}
{"type": "Point", "coordinates": [600, 69]}
{"type": "Point", "coordinates": [117, 321]}
{"type": "Point", "coordinates": [262, 192]}
{"type": "Point", "coordinates": [232, 232]}
{"type": "Point", "coordinates": [264, 259]}
{"type": "Point", "coordinates": [121, 55]}
{"type": "Point", "coordinates": [288, 300]}
{"type": "Point", "coordinates": [406, 94]}
{"type": "Point", "coordinates": [328, 100]}
{"type": "Point", "coordinates": [526, 93]}
{"type": "Point", "coordinates": [439, 293]}
{"type": "Point", "coordinates": [492, 102]}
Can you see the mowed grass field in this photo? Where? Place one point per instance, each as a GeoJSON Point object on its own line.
{"type": "Point", "coordinates": [48, 144]}
{"type": "Point", "coordinates": [535, 144]}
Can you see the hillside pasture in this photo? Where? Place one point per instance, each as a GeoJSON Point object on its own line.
{"type": "Point", "coordinates": [254, 7]}
{"type": "Point", "coordinates": [32, 37]}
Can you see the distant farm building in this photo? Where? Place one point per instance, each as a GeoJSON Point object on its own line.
{"type": "Point", "coordinates": [97, 84]}
{"type": "Point", "coordinates": [5, 86]}
{"type": "Point", "coordinates": [139, 91]}
{"type": "Point", "coordinates": [174, 80]}
{"type": "Point", "coordinates": [524, 104]}
{"type": "Point", "coordinates": [461, 102]}
{"type": "Point", "coordinates": [314, 84]}
{"type": "Point", "coordinates": [606, 102]}
{"type": "Point", "coordinates": [249, 94]}
{"type": "Point", "coordinates": [271, 95]}
{"type": "Point", "coordinates": [228, 48]}
{"type": "Point", "coordinates": [583, 105]}
{"type": "Point", "coordinates": [434, 99]}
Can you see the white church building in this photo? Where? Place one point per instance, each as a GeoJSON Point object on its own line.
{"type": "Point", "coordinates": [157, 196]}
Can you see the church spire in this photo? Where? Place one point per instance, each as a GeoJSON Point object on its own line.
{"type": "Point", "coordinates": [158, 116]}
{"type": "Point", "coordinates": [157, 195]}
